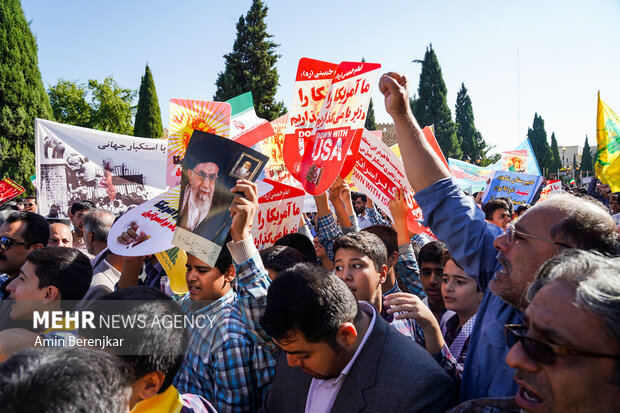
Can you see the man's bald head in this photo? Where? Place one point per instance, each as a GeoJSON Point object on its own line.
{"type": "Point", "coordinates": [60, 236]}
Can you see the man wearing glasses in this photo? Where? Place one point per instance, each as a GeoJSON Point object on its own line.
{"type": "Point", "coordinates": [504, 264]}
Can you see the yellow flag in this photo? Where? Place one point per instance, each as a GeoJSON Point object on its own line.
{"type": "Point", "coordinates": [608, 151]}
{"type": "Point", "coordinates": [173, 262]}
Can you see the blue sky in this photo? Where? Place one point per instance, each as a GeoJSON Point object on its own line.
{"type": "Point", "coordinates": [568, 50]}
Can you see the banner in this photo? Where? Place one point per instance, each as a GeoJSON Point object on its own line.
{"type": "Point", "coordinates": [470, 178]}
{"type": "Point", "coordinates": [552, 187]}
{"type": "Point", "coordinates": [278, 214]}
{"type": "Point", "coordinates": [185, 117]}
{"type": "Point", "coordinates": [311, 84]}
{"type": "Point", "coordinates": [273, 147]}
{"type": "Point", "coordinates": [245, 127]}
{"type": "Point", "coordinates": [519, 188]}
{"type": "Point", "coordinates": [378, 173]}
{"type": "Point", "coordinates": [9, 190]}
{"type": "Point", "coordinates": [156, 217]}
{"type": "Point", "coordinates": [338, 127]}
{"type": "Point", "coordinates": [113, 171]}
{"type": "Point", "coordinates": [173, 262]}
{"type": "Point", "coordinates": [608, 146]}
{"type": "Point", "coordinates": [211, 168]}
{"type": "Point", "coordinates": [514, 161]}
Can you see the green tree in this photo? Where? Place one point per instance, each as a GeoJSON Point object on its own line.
{"type": "Point", "coordinates": [69, 104]}
{"type": "Point", "coordinates": [22, 95]}
{"type": "Point", "coordinates": [587, 158]}
{"type": "Point", "coordinates": [251, 65]}
{"type": "Point", "coordinates": [466, 128]}
{"type": "Point", "coordinates": [105, 106]}
{"type": "Point", "coordinates": [483, 149]}
{"type": "Point", "coordinates": [556, 162]}
{"type": "Point", "coordinates": [370, 118]}
{"type": "Point", "coordinates": [430, 107]}
{"type": "Point", "coordinates": [148, 115]}
{"type": "Point", "coordinates": [538, 139]}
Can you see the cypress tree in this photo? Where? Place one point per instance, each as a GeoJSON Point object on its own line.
{"type": "Point", "coordinates": [466, 129]}
{"type": "Point", "coordinates": [22, 95]}
{"type": "Point", "coordinates": [251, 65]}
{"type": "Point", "coordinates": [587, 158]}
{"type": "Point", "coordinates": [556, 162]}
{"type": "Point", "coordinates": [148, 116]}
{"type": "Point", "coordinates": [370, 123]}
{"type": "Point", "coordinates": [538, 139]}
{"type": "Point", "coordinates": [431, 107]}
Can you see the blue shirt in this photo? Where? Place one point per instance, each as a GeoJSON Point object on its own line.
{"type": "Point", "coordinates": [457, 221]}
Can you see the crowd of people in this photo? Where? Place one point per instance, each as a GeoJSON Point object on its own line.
{"type": "Point", "coordinates": [507, 310]}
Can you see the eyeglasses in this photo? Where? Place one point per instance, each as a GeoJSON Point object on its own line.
{"type": "Point", "coordinates": [6, 243]}
{"type": "Point", "coordinates": [540, 351]}
{"type": "Point", "coordinates": [210, 177]}
{"type": "Point", "coordinates": [427, 272]}
{"type": "Point", "coordinates": [511, 231]}
{"type": "Point", "coordinates": [30, 204]}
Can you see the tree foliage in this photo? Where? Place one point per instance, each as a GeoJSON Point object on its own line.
{"type": "Point", "coordinates": [251, 65]}
{"type": "Point", "coordinates": [556, 162]}
{"type": "Point", "coordinates": [148, 115]}
{"type": "Point", "coordinates": [587, 158]}
{"type": "Point", "coordinates": [430, 107]}
{"type": "Point", "coordinates": [105, 106]}
{"type": "Point", "coordinates": [22, 95]}
{"type": "Point", "coordinates": [370, 123]}
{"type": "Point", "coordinates": [466, 128]}
{"type": "Point", "coordinates": [538, 139]}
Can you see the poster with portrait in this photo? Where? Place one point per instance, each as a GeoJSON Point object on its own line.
{"type": "Point", "coordinates": [211, 168]}
{"type": "Point", "coordinates": [113, 171]}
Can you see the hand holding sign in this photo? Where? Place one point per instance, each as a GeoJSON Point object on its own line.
{"type": "Point", "coordinates": [243, 209]}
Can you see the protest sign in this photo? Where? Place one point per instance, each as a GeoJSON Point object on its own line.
{"type": "Point", "coordinates": [278, 214]}
{"type": "Point", "coordinates": [173, 262]}
{"type": "Point", "coordinates": [338, 127]}
{"type": "Point", "coordinates": [514, 161]}
{"type": "Point", "coordinates": [245, 127]}
{"type": "Point", "coordinates": [519, 188]}
{"type": "Point", "coordinates": [470, 177]}
{"type": "Point", "coordinates": [9, 190]}
{"type": "Point", "coordinates": [211, 168]}
{"type": "Point", "coordinates": [114, 171]}
{"type": "Point", "coordinates": [607, 164]}
{"type": "Point", "coordinates": [311, 84]}
{"type": "Point", "coordinates": [156, 217]}
{"type": "Point", "coordinates": [273, 147]}
{"type": "Point", "coordinates": [552, 187]}
{"type": "Point", "coordinates": [185, 117]}
{"type": "Point", "coordinates": [379, 173]}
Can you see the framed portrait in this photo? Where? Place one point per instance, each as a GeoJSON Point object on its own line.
{"type": "Point", "coordinates": [246, 166]}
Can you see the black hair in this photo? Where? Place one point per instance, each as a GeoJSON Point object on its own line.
{"type": "Point", "coordinates": [511, 208]}
{"type": "Point", "coordinates": [309, 299]}
{"type": "Point", "coordinates": [36, 231]}
{"type": "Point", "coordinates": [61, 379]}
{"type": "Point", "coordinates": [280, 257]}
{"type": "Point", "coordinates": [301, 243]}
{"type": "Point", "coordinates": [67, 269]}
{"type": "Point", "coordinates": [365, 242]}
{"type": "Point", "coordinates": [490, 207]}
{"type": "Point", "coordinates": [152, 346]}
{"type": "Point", "coordinates": [224, 260]}
{"type": "Point", "coordinates": [356, 195]}
{"type": "Point", "coordinates": [431, 252]}
{"type": "Point", "coordinates": [81, 205]}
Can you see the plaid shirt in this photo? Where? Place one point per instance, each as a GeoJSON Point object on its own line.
{"type": "Point", "coordinates": [231, 362]}
{"type": "Point", "coordinates": [375, 217]}
{"type": "Point", "coordinates": [408, 270]}
{"type": "Point", "coordinates": [328, 231]}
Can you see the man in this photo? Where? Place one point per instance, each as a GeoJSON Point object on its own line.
{"type": "Point", "coordinates": [64, 380]}
{"type": "Point", "coordinates": [30, 204]}
{"type": "Point", "coordinates": [359, 206]}
{"type": "Point", "coordinates": [542, 232]}
{"type": "Point", "coordinates": [341, 356]}
{"type": "Point", "coordinates": [50, 280]}
{"type": "Point", "coordinates": [497, 212]}
{"type": "Point", "coordinates": [574, 305]}
{"type": "Point", "coordinates": [197, 202]}
{"type": "Point", "coordinates": [78, 209]}
{"type": "Point", "coordinates": [431, 272]}
{"type": "Point", "coordinates": [60, 235]}
{"type": "Point", "coordinates": [244, 171]}
{"type": "Point", "coordinates": [20, 204]}
{"type": "Point", "coordinates": [107, 266]}
{"type": "Point", "coordinates": [155, 351]}
{"type": "Point", "coordinates": [21, 233]}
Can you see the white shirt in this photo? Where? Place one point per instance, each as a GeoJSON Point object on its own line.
{"type": "Point", "coordinates": [322, 393]}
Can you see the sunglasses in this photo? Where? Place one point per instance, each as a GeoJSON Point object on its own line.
{"type": "Point", "coordinates": [30, 204]}
{"type": "Point", "coordinates": [540, 351]}
{"type": "Point", "coordinates": [511, 231]}
{"type": "Point", "coordinates": [6, 243]}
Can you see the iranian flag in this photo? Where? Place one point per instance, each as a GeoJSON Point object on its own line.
{"type": "Point", "coordinates": [245, 126]}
